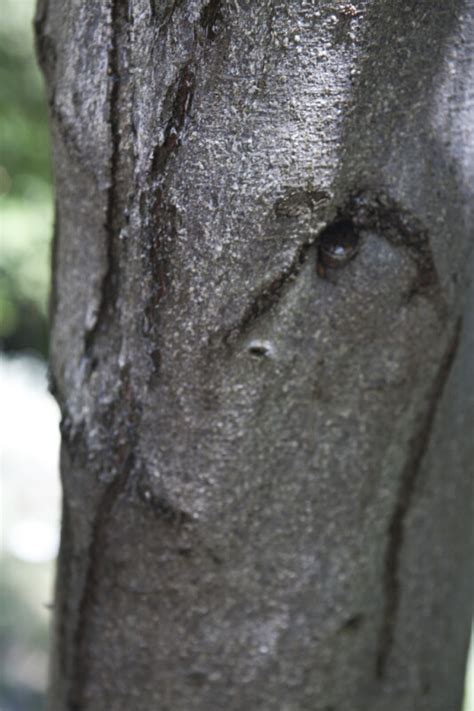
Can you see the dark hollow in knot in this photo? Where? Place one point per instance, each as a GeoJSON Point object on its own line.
{"type": "Point", "coordinates": [258, 351]}
{"type": "Point", "coordinates": [338, 244]}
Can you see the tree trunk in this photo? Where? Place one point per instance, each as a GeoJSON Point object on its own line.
{"type": "Point", "coordinates": [262, 352]}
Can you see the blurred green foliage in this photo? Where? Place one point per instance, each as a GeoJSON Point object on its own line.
{"type": "Point", "coordinates": [25, 185]}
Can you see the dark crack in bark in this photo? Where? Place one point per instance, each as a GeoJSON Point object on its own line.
{"type": "Point", "coordinates": [80, 671]}
{"type": "Point", "coordinates": [123, 462]}
{"type": "Point", "coordinates": [268, 295]}
{"type": "Point", "coordinates": [115, 210]}
{"type": "Point", "coordinates": [417, 450]}
{"type": "Point", "coordinates": [183, 95]}
{"type": "Point", "coordinates": [123, 458]}
{"type": "Point", "coordinates": [271, 292]}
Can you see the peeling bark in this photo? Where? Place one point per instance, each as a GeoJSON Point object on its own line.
{"type": "Point", "coordinates": [261, 338]}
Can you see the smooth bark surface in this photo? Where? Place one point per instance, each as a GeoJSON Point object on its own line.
{"type": "Point", "coordinates": [266, 461]}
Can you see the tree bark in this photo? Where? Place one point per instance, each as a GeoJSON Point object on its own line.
{"type": "Point", "coordinates": [262, 350]}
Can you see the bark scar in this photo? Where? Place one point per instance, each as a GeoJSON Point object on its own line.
{"type": "Point", "coordinates": [396, 532]}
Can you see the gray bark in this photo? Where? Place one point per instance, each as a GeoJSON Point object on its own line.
{"type": "Point", "coordinates": [266, 460]}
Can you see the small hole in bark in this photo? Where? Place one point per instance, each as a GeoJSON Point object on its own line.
{"type": "Point", "coordinates": [338, 245]}
{"type": "Point", "coordinates": [260, 349]}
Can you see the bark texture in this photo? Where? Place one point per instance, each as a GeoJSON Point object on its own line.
{"type": "Point", "coordinates": [266, 461]}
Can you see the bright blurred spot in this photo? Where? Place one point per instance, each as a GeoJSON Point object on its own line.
{"type": "Point", "coordinates": [29, 447]}
{"type": "Point", "coordinates": [32, 541]}
{"type": "Point", "coordinates": [30, 498]}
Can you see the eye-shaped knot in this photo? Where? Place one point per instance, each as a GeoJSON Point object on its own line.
{"type": "Point", "coordinates": [338, 244]}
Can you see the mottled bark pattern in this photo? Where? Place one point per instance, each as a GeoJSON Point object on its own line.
{"type": "Point", "coordinates": [265, 461]}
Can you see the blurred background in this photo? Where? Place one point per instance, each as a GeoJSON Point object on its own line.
{"type": "Point", "coordinates": [29, 417]}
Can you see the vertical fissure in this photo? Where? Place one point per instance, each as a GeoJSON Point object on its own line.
{"type": "Point", "coordinates": [124, 464]}
{"type": "Point", "coordinates": [396, 529]}
{"type": "Point", "coordinates": [122, 459]}
{"type": "Point", "coordinates": [115, 211]}
{"type": "Point", "coordinates": [81, 651]}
